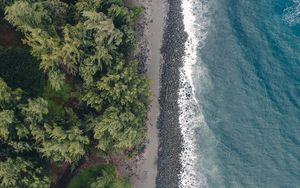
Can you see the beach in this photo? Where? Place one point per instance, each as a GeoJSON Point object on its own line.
{"type": "Point", "coordinates": [149, 30]}
{"type": "Point", "coordinates": [173, 51]}
{"type": "Point", "coordinates": [165, 38]}
{"type": "Point", "coordinates": [161, 37]}
{"type": "Point", "coordinates": [214, 66]}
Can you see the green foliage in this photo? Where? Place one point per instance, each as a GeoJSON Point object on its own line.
{"type": "Point", "coordinates": [92, 5]}
{"type": "Point", "coordinates": [56, 79]}
{"type": "Point", "coordinates": [3, 4]}
{"type": "Point", "coordinates": [121, 15]}
{"type": "Point", "coordinates": [31, 129]}
{"type": "Point", "coordinates": [123, 19]}
{"type": "Point", "coordinates": [122, 182]}
{"type": "Point", "coordinates": [13, 130]}
{"type": "Point", "coordinates": [105, 180]}
{"type": "Point", "coordinates": [61, 145]}
{"type": "Point", "coordinates": [57, 99]}
{"type": "Point", "coordinates": [115, 130]}
{"type": "Point", "coordinates": [19, 69]}
{"type": "Point", "coordinates": [92, 49]}
{"type": "Point", "coordinates": [29, 15]}
{"type": "Point", "coordinates": [26, 15]}
{"type": "Point", "coordinates": [126, 92]}
{"type": "Point", "coordinates": [6, 119]}
{"type": "Point", "coordinates": [121, 87]}
{"type": "Point", "coordinates": [8, 97]}
{"type": "Point", "coordinates": [99, 176]}
{"type": "Point", "coordinates": [62, 95]}
{"type": "Point", "coordinates": [94, 95]}
{"type": "Point", "coordinates": [35, 110]}
{"type": "Point", "coordinates": [61, 47]}
{"type": "Point", "coordinates": [41, 22]}
{"type": "Point", "coordinates": [87, 176]}
{"type": "Point", "coordinates": [15, 173]}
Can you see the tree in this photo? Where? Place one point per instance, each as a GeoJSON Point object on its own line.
{"type": "Point", "coordinates": [84, 45]}
{"type": "Point", "coordinates": [99, 176]}
{"type": "Point", "coordinates": [121, 86]}
{"type": "Point", "coordinates": [116, 131]}
{"type": "Point", "coordinates": [54, 142]}
{"type": "Point", "coordinates": [92, 5]}
{"type": "Point", "coordinates": [108, 179]}
{"type": "Point", "coordinates": [15, 173]}
{"type": "Point", "coordinates": [105, 180]}
{"type": "Point", "coordinates": [5, 3]}
{"type": "Point", "coordinates": [30, 15]}
{"type": "Point", "coordinates": [41, 21]}
{"type": "Point", "coordinates": [64, 48]}
{"type": "Point", "coordinates": [89, 49]}
{"type": "Point", "coordinates": [13, 131]}
{"type": "Point", "coordinates": [25, 127]}
{"type": "Point", "coordinates": [62, 145]}
{"type": "Point", "coordinates": [6, 119]}
{"type": "Point", "coordinates": [8, 97]}
{"type": "Point", "coordinates": [35, 111]}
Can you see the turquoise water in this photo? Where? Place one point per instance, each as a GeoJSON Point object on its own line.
{"type": "Point", "coordinates": [250, 95]}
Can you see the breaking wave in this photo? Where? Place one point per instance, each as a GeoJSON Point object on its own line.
{"type": "Point", "coordinates": [191, 117]}
{"type": "Point", "coordinates": [292, 14]}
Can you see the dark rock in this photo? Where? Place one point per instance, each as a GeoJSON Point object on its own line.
{"type": "Point", "coordinates": [169, 165]}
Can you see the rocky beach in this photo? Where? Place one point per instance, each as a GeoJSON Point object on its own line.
{"type": "Point", "coordinates": [169, 165]}
{"type": "Point", "coordinates": [160, 32]}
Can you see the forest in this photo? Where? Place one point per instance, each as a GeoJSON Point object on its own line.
{"type": "Point", "coordinates": [69, 90]}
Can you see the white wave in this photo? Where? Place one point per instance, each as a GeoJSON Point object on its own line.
{"type": "Point", "coordinates": [292, 14]}
{"type": "Point", "coordinates": [190, 117]}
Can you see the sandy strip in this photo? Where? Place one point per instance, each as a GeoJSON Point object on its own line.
{"type": "Point", "coordinates": [154, 14]}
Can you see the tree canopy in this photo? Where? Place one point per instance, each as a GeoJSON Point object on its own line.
{"type": "Point", "coordinates": [17, 173]}
{"type": "Point", "coordinates": [94, 97]}
{"type": "Point", "coordinates": [99, 176]}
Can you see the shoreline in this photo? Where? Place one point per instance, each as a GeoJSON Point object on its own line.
{"type": "Point", "coordinates": [149, 32]}
{"type": "Point", "coordinates": [173, 51]}
{"type": "Point", "coordinates": [161, 40]}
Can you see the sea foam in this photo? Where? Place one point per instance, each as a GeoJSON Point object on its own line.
{"type": "Point", "coordinates": [196, 24]}
{"type": "Point", "coordinates": [292, 14]}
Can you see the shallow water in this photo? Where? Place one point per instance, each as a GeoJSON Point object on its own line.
{"type": "Point", "coordinates": [243, 127]}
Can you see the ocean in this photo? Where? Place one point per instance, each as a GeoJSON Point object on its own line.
{"type": "Point", "coordinates": [239, 97]}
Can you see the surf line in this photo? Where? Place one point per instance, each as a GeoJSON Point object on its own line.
{"type": "Point", "coordinates": [190, 116]}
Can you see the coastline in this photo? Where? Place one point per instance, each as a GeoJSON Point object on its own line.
{"type": "Point", "coordinates": [149, 32]}
{"type": "Point", "coordinates": [161, 41]}
{"type": "Point", "coordinates": [173, 51]}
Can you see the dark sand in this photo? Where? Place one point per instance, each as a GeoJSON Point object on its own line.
{"type": "Point", "coordinates": [161, 37]}
{"type": "Point", "coordinates": [151, 29]}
